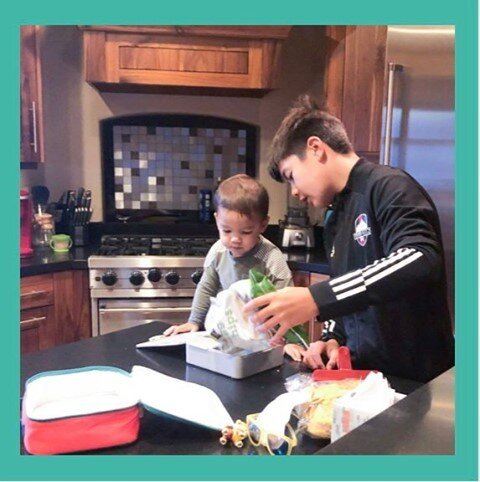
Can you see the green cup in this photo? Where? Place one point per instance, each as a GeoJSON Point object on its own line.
{"type": "Point", "coordinates": [61, 243]}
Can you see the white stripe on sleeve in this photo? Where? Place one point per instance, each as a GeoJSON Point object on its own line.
{"type": "Point", "coordinates": [357, 281]}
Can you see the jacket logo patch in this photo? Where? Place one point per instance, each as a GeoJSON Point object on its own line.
{"type": "Point", "coordinates": [362, 230]}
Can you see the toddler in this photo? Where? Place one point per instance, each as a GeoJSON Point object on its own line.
{"type": "Point", "coordinates": [241, 213]}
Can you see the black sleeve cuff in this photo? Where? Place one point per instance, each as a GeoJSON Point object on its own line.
{"type": "Point", "coordinates": [325, 300]}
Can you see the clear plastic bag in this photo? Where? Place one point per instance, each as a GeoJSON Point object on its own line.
{"type": "Point", "coordinates": [316, 416]}
{"type": "Point", "coordinates": [235, 329]}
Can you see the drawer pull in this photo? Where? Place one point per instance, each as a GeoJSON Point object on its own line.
{"type": "Point", "coordinates": [35, 292]}
{"type": "Point", "coordinates": [31, 322]}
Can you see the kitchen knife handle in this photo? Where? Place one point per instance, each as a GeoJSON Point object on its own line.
{"type": "Point", "coordinates": [392, 68]}
{"type": "Point", "coordinates": [80, 196]}
{"type": "Point", "coordinates": [88, 198]}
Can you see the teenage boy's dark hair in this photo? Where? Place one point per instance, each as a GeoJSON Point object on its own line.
{"type": "Point", "coordinates": [243, 194]}
{"type": "Point", "coordinates": [303, 120]}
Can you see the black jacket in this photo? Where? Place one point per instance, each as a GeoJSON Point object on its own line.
{"type": "Point", "coordinates": [386, 299]}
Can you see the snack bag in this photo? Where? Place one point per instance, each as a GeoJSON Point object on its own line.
{"type": "Point", "coordinates": [227, 321]}
{"type": "Point", "coordinates": [261, 285]}
{"type": "Point", "coordinates": [316, 416]}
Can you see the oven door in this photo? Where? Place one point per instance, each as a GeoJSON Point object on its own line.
{"type": "Point", "coordinates": [117, 314]}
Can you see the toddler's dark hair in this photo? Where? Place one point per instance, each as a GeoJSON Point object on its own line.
{"type": "Point", "coordinates": [243, 194]}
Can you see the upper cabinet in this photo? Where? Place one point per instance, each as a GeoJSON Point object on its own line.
{"type": "Point", "coordinates": [354, 82]}
{"type": "Point", "coordinates": [189, 59]}
{"type": "Point", "coordinates": [31, 132]}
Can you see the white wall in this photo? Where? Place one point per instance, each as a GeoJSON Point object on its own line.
{"type": "Point", "coordinates": [73, 109]}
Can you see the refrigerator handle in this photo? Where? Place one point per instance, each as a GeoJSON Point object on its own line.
{"type": "Point", "coordinates": [392, 68]}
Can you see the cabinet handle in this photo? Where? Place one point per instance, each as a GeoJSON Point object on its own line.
{"type": "Point", "coordinates": [34, 292]}
{"type": "Point", "coordinates": [392, 68]}
{"type": "Point", "coordinates": [35, 321]}
{"type": "Point", "coordinates": [145, 310]}
{"type": "Point", "coordinates": [34, 124]}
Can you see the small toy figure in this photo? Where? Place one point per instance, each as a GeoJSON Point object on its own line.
{"type": "Point", "coordinates": [236, 434]}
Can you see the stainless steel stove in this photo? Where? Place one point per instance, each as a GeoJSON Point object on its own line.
{"type": "Point", "coordinates": [137, 279]}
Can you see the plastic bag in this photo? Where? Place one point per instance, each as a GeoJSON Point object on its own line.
{"type": "Point", "coordinates": [261, 285]}
{"type": "Point", "coordinates": [370, 398]}
{"type": "Point", "coordinates": [315, 417]}
{"type": "Point", "coordinates": [235, 329]}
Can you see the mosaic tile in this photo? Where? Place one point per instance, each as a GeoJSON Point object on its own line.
{"type": "Point", "coordinates": [165, 167]}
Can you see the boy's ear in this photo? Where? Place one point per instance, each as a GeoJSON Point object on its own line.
{"type": "Point", "coordinates": [265, 223]}
{"type": "Point", "coordinates": [316, 145]}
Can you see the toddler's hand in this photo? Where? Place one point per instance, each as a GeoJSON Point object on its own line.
{"type": "Point", "coordinates": [295, 352]}
{"type": "Point", "coordinates": [176, 329]}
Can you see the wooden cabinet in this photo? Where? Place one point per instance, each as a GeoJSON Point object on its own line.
{"type": "Point", "coordinates": [72, 306]}
{"type": "Point", "coordinates": [188, 59]}
{"type": "Point", "coordinates": [355, 73]}
{"type": "Point", "coordinates": [31, 132]}
{"type": "Point", "coordinates": [305, 278]}
{"type": "Point", "coordinates": [37, 316]}
{"type": "Point", "coordinates": [55, 309]}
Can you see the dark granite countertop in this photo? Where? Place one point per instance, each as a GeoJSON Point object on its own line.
{"type": "Point", "coordinates": [421, 423]}
{"type": "Point", "coordinates": [46, 261]}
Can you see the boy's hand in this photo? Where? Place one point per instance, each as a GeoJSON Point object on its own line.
{"type": "Point", "coordinates": [176, 329]}
{"type": "Point", "coordinates": [294, 351]}
{"type": "Point", "coordinates": [321, 350]}
{"type": "Point", "coordinates": [286, 307]}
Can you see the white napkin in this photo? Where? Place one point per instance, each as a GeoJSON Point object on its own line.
{"type": "Point", "coordinates": [180, 339]}
{"type": "Point", "coordinates": [185, 400]}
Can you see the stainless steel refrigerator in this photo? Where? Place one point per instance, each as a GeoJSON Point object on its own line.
{"type": "Point", "coordinates": [419, 119]}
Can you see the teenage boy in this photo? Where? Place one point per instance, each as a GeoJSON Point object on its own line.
{"type": "Point", "coordinates": [386, 298]}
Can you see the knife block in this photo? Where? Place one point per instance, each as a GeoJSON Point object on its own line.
{"type": "Point", "coordinates": [79, 235]}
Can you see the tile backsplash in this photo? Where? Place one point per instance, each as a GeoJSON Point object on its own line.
{"type": "Point", "coordinates": [164, 167]}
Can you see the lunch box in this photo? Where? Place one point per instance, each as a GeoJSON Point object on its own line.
{"type": "Point", "coordinates": [95, 407]}
{"type": "Point", "coordinates": [239, 365]}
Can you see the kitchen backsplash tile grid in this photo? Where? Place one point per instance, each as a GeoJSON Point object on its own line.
{"type": "Point", "coordinates": [158, 167]}
{"type": "Point", "coordinates": [156, 164]}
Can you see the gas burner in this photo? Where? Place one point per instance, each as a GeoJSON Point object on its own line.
{"type": "Point", "coordinates": [135, 245]}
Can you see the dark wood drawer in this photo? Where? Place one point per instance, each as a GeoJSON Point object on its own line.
{"type": "Point", "coordinates": [36, 291]}
{"type": "Point", "coordinates": [37, 329]}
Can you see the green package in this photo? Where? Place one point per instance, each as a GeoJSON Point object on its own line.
{"type": "Point", "coordinates": [261, 285]}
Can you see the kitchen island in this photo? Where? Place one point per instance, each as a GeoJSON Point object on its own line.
{"type": "Point", "coordinates": [162, 435]}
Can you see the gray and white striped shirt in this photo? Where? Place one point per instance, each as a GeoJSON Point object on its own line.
{"type": "Point", "coordinates": [221, 270]}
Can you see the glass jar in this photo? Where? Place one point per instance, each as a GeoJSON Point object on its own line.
{"type": "Point", "coordinates": [43, 230]}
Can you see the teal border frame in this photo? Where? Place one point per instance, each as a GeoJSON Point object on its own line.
{"type": "Point", "coordinates": [461, 466]}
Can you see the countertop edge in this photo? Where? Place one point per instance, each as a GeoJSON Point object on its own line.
{"type": "Point", "coordinates": [77, 259]}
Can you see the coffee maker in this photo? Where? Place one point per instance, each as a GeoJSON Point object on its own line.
{"type": "Point", "coordinates": [297, 231]}
{"type": "Point", "coordinates": [25, 224]}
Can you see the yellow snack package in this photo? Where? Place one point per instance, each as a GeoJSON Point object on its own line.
{"type": "Point", "coordinates": [316, 416]}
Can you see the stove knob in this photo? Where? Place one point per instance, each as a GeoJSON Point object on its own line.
{"type": "Point", "coordinates": [196, 276]}
{"type": "Point", "coordinates": [154, 275]}
{"type": "Point", "coordinates": [172, 278]}
{"type": "Point", "coordinates": [137, 278]}
{"type": "Point", "coordinates": [109, 278]}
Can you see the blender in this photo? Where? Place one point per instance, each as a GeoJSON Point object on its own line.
{"type": "Point", "coordinates": [296, 228]}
